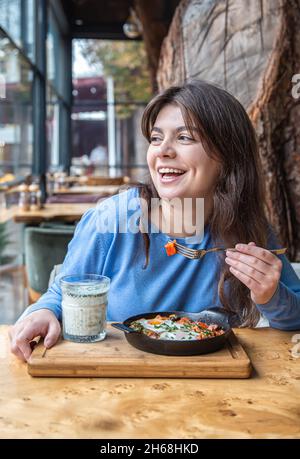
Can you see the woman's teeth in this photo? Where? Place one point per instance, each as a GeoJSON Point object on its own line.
{"type": "Point", "coordinates": [168, 170]}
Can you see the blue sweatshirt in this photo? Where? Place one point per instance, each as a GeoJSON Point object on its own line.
{"type": "Point", "coordinates": [168, 283]}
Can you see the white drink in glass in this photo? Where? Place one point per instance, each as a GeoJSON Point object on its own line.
{"type": "Point", "coordinates": [84, 303]}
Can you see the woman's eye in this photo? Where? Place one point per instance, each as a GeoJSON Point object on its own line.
{"type": "Point", "coordinates": [183, 138]}
{"type": "Point", "coordinates": [186, 138]}
{"type": "Point", "coordinates": [154, 139]}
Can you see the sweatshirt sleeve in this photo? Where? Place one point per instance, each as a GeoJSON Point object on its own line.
{"type": "Point", "coordinates": [283, 309]}
{"type": "Point", "coordinates": [85, 255]}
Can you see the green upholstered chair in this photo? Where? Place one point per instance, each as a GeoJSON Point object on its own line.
{"type": "Point", "coordinates": [45, 247]}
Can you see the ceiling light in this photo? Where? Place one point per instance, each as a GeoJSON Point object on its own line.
{"type": "Point", "coordinates": [132, 28]}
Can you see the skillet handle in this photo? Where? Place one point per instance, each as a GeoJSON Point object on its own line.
{"type": "Point", "coordinates": [123, 327]}
{"type": "Point", "coordinates": [232, 318]}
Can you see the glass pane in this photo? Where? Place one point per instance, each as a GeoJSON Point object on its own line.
{"type": "Point", "coordinates": [89, 122]}
{"type": "Point", "coordinates": [130, 145]}
{"type": "Point", "coordinates": [52, 123]}
{"type": "Point", "coordinates": [10, 18]}
{"type": "Point", "coordinates": [56, 60]}
{"type": "Point", "coordinates": [50, 54]}
{"type": "Point", "coordinates": [125, 61]}
{"type": "Point", "coordinates": [107, 138]}
{"type": "Point", "coordinates": [16, 134]}
{"type": "Point", "coordinates": [28, 28]}
{"type": "Point", "coordinates": [110, 91]}
{"type": "Point", "coordinates": [17, 19]}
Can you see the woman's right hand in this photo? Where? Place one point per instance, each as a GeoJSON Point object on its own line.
{"type": "Point", "coordinates": [42, 323]}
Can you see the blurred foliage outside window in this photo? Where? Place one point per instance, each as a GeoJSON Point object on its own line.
{"type": "Point", "coordinates": [126, 62]}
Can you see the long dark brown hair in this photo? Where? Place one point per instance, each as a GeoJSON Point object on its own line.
{"type": "Point", "coordinates": [238, 204]}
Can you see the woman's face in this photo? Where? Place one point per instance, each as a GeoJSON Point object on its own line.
{"type": "Point", "coordinates": [177, 161]}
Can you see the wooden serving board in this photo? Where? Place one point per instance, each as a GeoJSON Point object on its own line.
{"type": "Point", "coordinates": [114, 357]}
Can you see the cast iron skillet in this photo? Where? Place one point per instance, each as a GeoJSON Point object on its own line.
{"type": "Point", "coordinates": [143, 342]}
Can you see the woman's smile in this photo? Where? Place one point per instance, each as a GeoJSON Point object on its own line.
{"type": "Point", "coordinates": [170, 174]}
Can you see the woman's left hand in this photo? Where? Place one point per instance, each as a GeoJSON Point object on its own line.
{"type": "Point", "coordinates": [257, 268]}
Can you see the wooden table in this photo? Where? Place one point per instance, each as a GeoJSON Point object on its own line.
{"type": "Point", "coordinates": [265, 406]}
{"type": "Point", "coordinates": [62, 212]}
{"type": "Point", "coordinates": [88, 189]}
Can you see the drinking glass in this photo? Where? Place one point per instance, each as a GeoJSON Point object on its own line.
{"type": "Point", "coordinates": [84, 303]}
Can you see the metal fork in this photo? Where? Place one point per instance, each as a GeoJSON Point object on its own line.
{"type": "Point", "coordinates": [200, 253]}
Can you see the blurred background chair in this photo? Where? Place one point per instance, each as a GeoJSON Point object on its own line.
{"type": "Point", "coordinates": [45, 247]}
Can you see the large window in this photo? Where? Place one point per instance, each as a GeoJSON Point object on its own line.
{"type": "Point", "coordinates": [16, 137]}
{"type": "Point", "coordinates": [34, 85]}
{"type": "Point", "coordinates": [111, 87]}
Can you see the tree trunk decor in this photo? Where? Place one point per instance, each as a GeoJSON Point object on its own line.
{"type": "Point", "coordinates": [252, 49]}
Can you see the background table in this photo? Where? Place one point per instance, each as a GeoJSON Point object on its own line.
{"type": "Point", "coordinates": [265, 406]}
{"type": "Point", "coordinates": [63, 212]}
{"type": "Point", "coordinates": [87, 189]}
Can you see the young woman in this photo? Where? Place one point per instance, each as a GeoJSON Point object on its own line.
{"type": "Point", "coordinates": [201, 145]}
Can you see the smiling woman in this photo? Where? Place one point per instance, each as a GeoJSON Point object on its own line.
{"type": "Point", "coordinates": [202, 146]}
{"type": "Point", "coordinates": [205, 132]}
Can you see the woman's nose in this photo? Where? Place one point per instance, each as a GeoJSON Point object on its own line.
{"type": "Point", "coordinates": [166, 150]}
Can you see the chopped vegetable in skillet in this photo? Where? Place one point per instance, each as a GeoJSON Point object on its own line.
{"type": "Point", "coordinates": [173, 327]}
